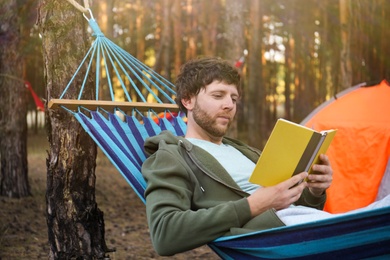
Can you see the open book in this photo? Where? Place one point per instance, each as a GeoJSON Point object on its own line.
{"type": "Point", "coordinates": [290, 149]}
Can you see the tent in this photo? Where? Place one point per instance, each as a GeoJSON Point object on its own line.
{"type": "Point", "coordinates": [360, 152]}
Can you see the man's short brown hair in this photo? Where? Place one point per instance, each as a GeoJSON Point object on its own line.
{"type": "Point", "coordinates": [198, 73]}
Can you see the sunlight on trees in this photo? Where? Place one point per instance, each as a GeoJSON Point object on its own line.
{"type": "Point", "coordinates": [315, 48]}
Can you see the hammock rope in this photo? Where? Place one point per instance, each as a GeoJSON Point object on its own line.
{"type": "Point", "coordinates": [146, 86]}
{"type": "Point", "coordinates": [84, 9]}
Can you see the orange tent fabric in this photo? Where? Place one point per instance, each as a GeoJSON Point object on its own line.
{"type": "Point", "coordinates": [360, 150]}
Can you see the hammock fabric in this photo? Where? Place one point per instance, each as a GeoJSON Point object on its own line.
{"type": "Point", "coordinates": [121, 137]}
{"type": "Point", "coordinates": [37, 100]}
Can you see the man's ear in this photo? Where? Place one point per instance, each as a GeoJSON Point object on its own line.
{"type": "Point", "coordinates": [188, 103]}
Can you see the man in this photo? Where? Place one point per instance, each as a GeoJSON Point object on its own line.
{"type": "Point", "coordinates": [198, 187]}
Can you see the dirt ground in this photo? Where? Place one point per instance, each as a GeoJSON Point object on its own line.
{"type": "Point", "coordinates": [23, 229]}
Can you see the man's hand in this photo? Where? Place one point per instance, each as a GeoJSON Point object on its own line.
{"type": "Point", "coordinates": [279, 196]}
{"type": "Point", "coordinates": [322, 177]}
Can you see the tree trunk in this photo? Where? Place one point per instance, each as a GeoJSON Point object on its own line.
{"type": "Point", "coordinates": [191, 23]}
{"type": "Point", "coordinates": [75, 223]}
{"type": "Point", "coordinates": [166, 40]}
{"type": "Point", "coordinates": [177, 35]}
{"type": "Point", "coordinates": [164, 53]}
{"type": "Point", "coordinates": [13, 108]}
{"type": "Point", "coordinates": [208, 25]}
{"type": "Point", "coordinates": [289, 72]}
{"type": "Point", "coordinates": [345, 60]}
{"type": "Point", "coordinates": [234, 48]}
{"type": "Point", "coordinates": [256, 90]}
{"type": "Point", "coordinates": [139, 31]}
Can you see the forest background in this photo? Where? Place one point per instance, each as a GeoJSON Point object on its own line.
{"type": "Point", "coordinates": [293, 54]}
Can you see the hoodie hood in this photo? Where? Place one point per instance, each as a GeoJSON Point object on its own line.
{"type": "Point", "coordinates": [152, 144]}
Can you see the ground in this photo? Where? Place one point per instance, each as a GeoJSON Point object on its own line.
{"type": "Point", "coordinates": [23, 229]}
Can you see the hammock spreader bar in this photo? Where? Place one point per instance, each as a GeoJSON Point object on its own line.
{"type": "Point", "coordinates": [111, 105]}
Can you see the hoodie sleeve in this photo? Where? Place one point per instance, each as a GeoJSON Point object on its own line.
{"type": "Point", "coordinates": [174, 225]}
{"type": "Point", "coordinates": [309, 200]}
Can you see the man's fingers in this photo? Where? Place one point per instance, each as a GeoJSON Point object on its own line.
{"type": "Point", "coordinates": [325, 159]}
{"type": "Point", "coordinates": [299, 177]}
{"type": "Point", "coordinates": [296, 179]}
{"type": "Point", "coordinates": [320, 178]}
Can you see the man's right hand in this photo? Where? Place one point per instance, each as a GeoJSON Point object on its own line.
{"type": "Point", "coordinates": [279, 196]}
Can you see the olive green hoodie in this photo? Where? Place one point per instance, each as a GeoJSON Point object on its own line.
{"type": "Point", "coordinates": [191, 199]}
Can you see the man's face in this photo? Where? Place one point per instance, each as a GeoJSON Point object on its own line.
{"type": "Point", "coordinates": [213, 109]}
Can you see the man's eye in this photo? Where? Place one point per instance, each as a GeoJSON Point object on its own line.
{"type": "Point", "coordinates": [235, 99]}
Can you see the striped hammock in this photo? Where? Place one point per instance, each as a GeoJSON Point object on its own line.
{"type": "Point", "coordinates": [121, 136]}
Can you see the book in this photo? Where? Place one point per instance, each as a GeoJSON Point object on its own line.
{"type": "Point", "coordinates": [290, 149]}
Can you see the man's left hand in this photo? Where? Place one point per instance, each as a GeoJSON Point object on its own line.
{"type": "Point", "coordinates": [321, 178]}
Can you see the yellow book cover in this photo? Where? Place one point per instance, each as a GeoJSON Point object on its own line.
{"type": "Point", "coordinates": [290, 149]}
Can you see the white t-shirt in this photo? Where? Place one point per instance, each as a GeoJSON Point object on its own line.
{"type": "Point", "coordinates": [234, 162]}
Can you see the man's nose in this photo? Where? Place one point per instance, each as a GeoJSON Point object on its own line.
{"type": "Point", "coordinates": [228, 103]}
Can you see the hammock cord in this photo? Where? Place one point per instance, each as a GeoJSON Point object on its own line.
{"type": "Point", "coordinates": [80, 7]}
{"type": "Point", "coordinates": [108, 58]}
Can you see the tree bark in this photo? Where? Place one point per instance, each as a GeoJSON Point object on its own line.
{"type": "Point", "coordinates": [166, 40]}
{"type": "Point", "coordinates": [208, 25]}
{"type": "Point", "coordinates": [191, 23]}
{"type": "Point", "coordinates": [139, 31]}
{"type": "Point", "coordinates": [234, 49]}
{"type": "Point", "coordinates": [13, 108]}
{"type": "Point", "coordinates": [256, 89]}
{"type": "Point", "coordinates": [177, 36]}
{"type": "Point", "coordinates": [164, 52]}
{"type": "Point", "coordinates": [345, 60]}
{"type": "Point", "coordinates": [75, 223]}
{"type": "Point", "coordinates": [288, 79]}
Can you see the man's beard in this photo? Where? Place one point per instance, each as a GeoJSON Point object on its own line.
{"type": "Point", "coordinates": [207, 122]}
